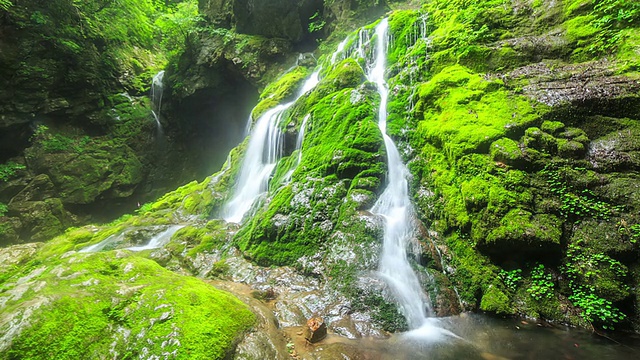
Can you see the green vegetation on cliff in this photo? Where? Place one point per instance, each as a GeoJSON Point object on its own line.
{"type": "Point", "coordinates": [510, 178]}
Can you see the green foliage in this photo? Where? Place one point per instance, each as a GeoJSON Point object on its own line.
{"type": "Point", "coordinates": [610, 16]}
{"type": "Point", "coordinates": [9, 169]}
{"type": "Point", "coordinates": [635, 233]}
{"type": "Point", "coordinates": [177, 25]}
{"type": "Point", "coordinates": [316, 22]}
{"type": "Point", "coordinates": [58, 142]}
{"type": "Point", "coordinates": [594, 281]}
{"type": "Point", "coordinates": [576, 203]}
{"type": "Point", "coordinates": [3, 210]}
{"type": "Point", "coordinates": [461, 28]}
{"type": "Point", "coordinates": [512, 278]}
{"type": "Point", "coordinates": [600, 27]}
{"type": "Point", "coordinates": [5, 5]}
{"type": "Point", "coordinates": [541, 283]}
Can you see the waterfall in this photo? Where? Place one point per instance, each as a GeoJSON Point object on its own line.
{"type": "Point", "coordinates": [394, 205]}
{"type": "Point", "coordinates": [263, 152]}
{"type": "Point", "coordinates": [156, 101]}
{"type": "Point", "coordinates": [159, 240]}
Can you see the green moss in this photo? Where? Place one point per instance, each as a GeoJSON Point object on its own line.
{"type": "Point", "coordinates": [506, 151]}
{"type": "Point", "coordinates": [519, 225]}
{"type": "Point", "coordinates": [283, 88]}
{"type": "Point", "coordinates": [199, 239]}
{"type": "Point", "coordinates": [474, 272]}
{"type": "Point", "coordinates": [495, 300]}
{"type": "Point", "coordinates": [345, 74]}
{"type": "Point", "coordinates": [552, 127]}
{"type": "Point", "coordinates": [464, 113]}
{"type": "Point", "coordinates": [95, 302]}
{"type": "Point", "coordinates": [342, 153]}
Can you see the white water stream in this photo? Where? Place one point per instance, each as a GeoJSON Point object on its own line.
{"type": "Point", "coordinates": [156, 101]}
{"type": "Point", "coordinates": [157, 241]}
{"type": "Point", "coordinates": [395, 206]}
{"type": "Point", "coordinates": [263, 153]}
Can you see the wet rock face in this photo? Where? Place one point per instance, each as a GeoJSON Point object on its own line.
{"type": "Point", "coordinates": [574, 83]}
{"type": "Point", "coordinates": [218, 12]}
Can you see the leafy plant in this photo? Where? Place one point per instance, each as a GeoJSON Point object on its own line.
{"type": "Point", "coordinates": [511, 278]}
{"type": "Point", "coordinates": [576, 203]}
{"type": "Point", "coordinates": [5, 4]}
{"type": "Point", "coordinates": [9, 169]}
{"type": "Point", "coordinates": [582, 269]}
{"type": "Point", "coordinates": [610, 16]}
{"type": "Point", "coordinates": [541, 283]}
{"type": "Point", "coordinates": [316, 22]}
{"type": "Point", "coordinates": [3, 209]}
{"type": "Point", "coordinates": [177, 25]}
{"type": "Point", "coordinates": [635, 233]}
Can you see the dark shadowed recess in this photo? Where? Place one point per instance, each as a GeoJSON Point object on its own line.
{"type": "Point", "coordinates": [212, 121]}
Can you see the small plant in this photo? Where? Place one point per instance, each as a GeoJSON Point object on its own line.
{"type": "Point", "coordinates": [3, 209]}
{"type": "Point", "coordinates": [316, 23]}
{"type": "Point", "coordinates": [541, 283]}
{"type": "Point", "coordinates": [5, 4]}
{"type": "Point", "coordinates": [580, 269]}
{"type": "Point", "coordinates": [53, 143]}
{"type": "Point", "coordinates": [9, 169]}
{"type": "Point", "coordinates": [511, 279]}
{"type": "Point", "coordinates": [595, 308]}
{"type": "Point", "coordinates": [576, 204]}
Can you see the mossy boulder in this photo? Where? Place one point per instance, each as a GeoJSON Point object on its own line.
{"type": "Point", "coordinates": [522, 233]}
{"type": "Point", "coordinates": [496, 301]}
{"type": "Point", "coordinates": [341, 166]}
{"type": "Point", "coordinates": [89, 305]}
{"type": "Point", "coordinates": [98, 170]}
{"type": "Point", "coordinates": [507, 151]}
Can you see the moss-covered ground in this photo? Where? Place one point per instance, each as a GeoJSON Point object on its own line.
{"type": "Point", "coordinates": [115, 304]}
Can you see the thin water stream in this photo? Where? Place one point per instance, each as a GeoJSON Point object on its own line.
{"type": "Point", "coordinates": [157, 91]}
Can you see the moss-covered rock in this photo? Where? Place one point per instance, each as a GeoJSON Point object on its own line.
{"type": "Point", "coordinates": [88, 305]}
{"type": "Point", "coordinates": [342, 146]}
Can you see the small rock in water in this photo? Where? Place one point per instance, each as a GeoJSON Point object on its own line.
{"type": "Point", "coordinates": [316, 330]}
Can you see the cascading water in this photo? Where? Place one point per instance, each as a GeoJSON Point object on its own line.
{"type": "Point", "coordinates": [395, 206]}
{"type": "Point", "coordinates": [156, 101]}
{"type": "Point", "coordinates": [263, 153]}
{"type": "Point", "coordinates": [159, 240]}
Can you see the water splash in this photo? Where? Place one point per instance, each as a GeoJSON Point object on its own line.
{"type": "Point", "coordinates": [157, 91]}
{"type": "Point", "coordinates": [263, 153]}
